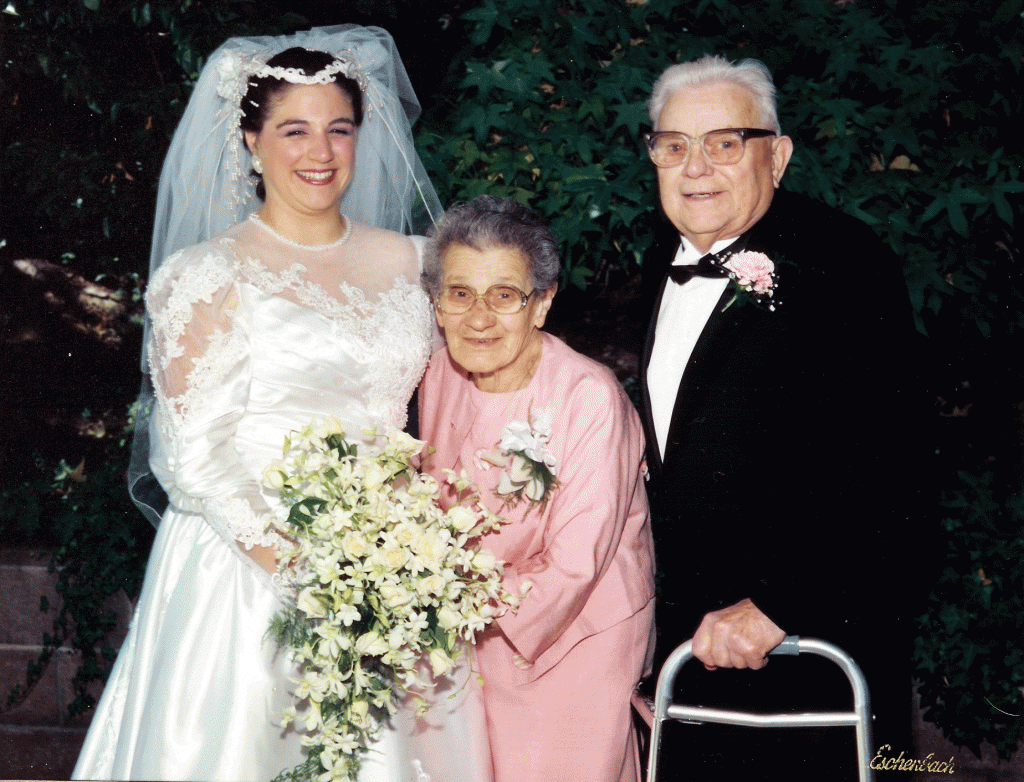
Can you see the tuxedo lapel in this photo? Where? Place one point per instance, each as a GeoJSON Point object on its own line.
{"type": "Point", "coordinates": [655, 278]}
{"type": "Point", "coordinates": [647, 414]}
{"type": "Point", "coordinates": [718, 341]}
{"type": "Point", "coordinates": [729, 332]}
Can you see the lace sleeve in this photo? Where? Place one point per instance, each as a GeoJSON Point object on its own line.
{"type": "Point", "coordinates": [200, 362]}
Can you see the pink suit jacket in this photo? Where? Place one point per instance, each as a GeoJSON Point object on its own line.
{"type": "Point", "coordinates": [588, 553]}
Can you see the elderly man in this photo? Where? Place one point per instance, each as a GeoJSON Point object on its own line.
{"type": "Point", "coordinates": [774, 391]}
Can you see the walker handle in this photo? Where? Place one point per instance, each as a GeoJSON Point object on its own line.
{"type": "Point", "coordinates": [789, 645]}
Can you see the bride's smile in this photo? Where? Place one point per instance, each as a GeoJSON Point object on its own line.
{"type": "Point", "coordinates": [317, 177]}
{"type": "Point", "coordinates": [306, 151]}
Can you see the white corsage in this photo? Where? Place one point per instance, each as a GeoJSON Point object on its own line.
{"type": "Point", "coordinates": [529, 467]}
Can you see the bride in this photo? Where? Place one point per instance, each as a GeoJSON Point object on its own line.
{"type": "Point", "coordinates": [265, 314]}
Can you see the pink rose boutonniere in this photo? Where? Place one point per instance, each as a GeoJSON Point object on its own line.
{"type": "Point", "coordinates": [754, 274]}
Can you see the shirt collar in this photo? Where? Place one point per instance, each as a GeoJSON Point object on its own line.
{"type": "Point", "coordinates": [688, 255]}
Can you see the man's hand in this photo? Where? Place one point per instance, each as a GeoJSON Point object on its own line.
{"type": "Point", "coordinates": [739, 636]}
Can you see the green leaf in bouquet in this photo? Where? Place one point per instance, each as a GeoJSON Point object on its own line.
{"type": "Point", "coordinates": [337, 442]}
{"type": "Point", "coordinates": [305, 511]}
{"type": "Point", "coordinates": [290, 629]}
{"type": "Point", "coordinates": [362, 597]}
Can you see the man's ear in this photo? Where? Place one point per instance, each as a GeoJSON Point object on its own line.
{"type": "Point", "coordinates": [782, 151]}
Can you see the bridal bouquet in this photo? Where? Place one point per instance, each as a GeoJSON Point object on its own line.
{"type": "Point", "coordinates": [388, 586]}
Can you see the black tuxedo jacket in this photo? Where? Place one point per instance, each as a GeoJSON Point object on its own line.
{"type": "Point", "coordinates": [786, 473]}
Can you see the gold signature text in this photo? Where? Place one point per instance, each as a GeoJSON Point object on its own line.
{"type": "Point", "coordinates": [902, 763]}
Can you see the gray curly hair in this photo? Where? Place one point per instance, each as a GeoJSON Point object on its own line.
{"type": "Point", "coordinates": [487, 222]}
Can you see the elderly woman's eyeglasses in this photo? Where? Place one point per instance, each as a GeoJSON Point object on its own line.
{"type": "Point", "coordinates": [669, 148]}
{"type": "Point", "coordinates": [500, 299]}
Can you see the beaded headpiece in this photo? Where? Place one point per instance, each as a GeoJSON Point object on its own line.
{"type": "Point", "coordinates": [235, 72]}
{"type": "Point", "coordinates": [203, 188]}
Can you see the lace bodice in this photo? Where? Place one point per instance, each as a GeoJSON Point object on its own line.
{"type": "Point", "coordinates": [254, 336]}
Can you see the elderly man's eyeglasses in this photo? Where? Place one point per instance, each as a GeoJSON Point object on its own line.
{"type": "Point", "coordinates": [500, 299]}
{"type": "Point", "coordinates": [669, 148]}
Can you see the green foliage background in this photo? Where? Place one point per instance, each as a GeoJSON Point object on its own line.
{"type": "Point", "coordinates": [969, 657]}
{"type": "Point", "coordinates": [906, 114]}
{"type": "Point", "coordinates": [92, 93]}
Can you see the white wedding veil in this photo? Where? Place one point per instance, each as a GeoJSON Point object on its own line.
{"type": "Point", "coordinates": [205, 188]}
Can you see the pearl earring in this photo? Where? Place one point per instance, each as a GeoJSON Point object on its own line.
{"type": "Point", "coordinates": [257, 165]}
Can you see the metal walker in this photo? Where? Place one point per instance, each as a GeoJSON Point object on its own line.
{"type": "Point", "coordinates": [860, 717]}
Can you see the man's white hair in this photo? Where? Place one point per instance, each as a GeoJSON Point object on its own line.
{"type": "Point", "coordinates": [710, 69]}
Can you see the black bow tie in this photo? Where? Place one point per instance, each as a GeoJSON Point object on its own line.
{"type": "Point", "coordinates": [708, 266]}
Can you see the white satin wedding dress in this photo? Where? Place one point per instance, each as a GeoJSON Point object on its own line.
{"type": "Point", "coordinates": [253, 337]}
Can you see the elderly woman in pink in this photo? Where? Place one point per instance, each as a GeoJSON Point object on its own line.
{"type": "Point", "coordinates": [555, 448]}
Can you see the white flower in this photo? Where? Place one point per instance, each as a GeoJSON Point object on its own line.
{"type": "Point", "coordinates": [542, 423]}
{"type": "Point", "coordinates": [403, 658]}
{"type": "Point", "coordinates": [519, 469]}
{"type": "Point", "coordinates": [355, 545]}
{"type": "Point", "coordinates": [505, 485]}
{"type": "Point", "coordinates": [484, 560]}
{"type": "Point", "coordinates": [516, 436]}
{"type": "Point", "coordinates": [319, 686]}
{"type": "Point", "coordinates": [431, 548]}
{"type": "Point", "coordinates": [440, 662]}
{"type": "Point", "coordinates": [314, 720]}
{"type": "Point", "coordinates": [423, 485]}
{"type": "Point", "coordinates": [374, 475]}
{"type": "Point", "coordinates": [330, 425]}
{"type": "Point", "coordinates": [347, 614]}
{"type": "Point", "coordinates": [484, 459]}
{"type": "Point", "coordinates": [462, 518]}
{"type": "Point", "coordinates": [359, 711]}
{"type": "Point", "coordinates": [346, 743]}
{"type": "Point", "coordinates": [327, 569]}
{"type": "Point", "coordinates": [433, 584]}
{"type": "Point", "coordinates": [407, 532]}
{"type": "Point", "coordinates": [533, 467]}
{"type": "Point", "coordinates": [448, 617]}
{"type": "Point", "coordinates": [403, 443]}
{"type": "Point", "coordinates": [416, 623]}
{"type": "Point", "coordinates": [288, 717]}
{"type": "Point", "coordinates": [397, 638]}
{"type": "Point", "coordinates": [395, 596]}
{"type": "Point", "coordinates": [334, 766]}
{"type": "Point", "coordinates": [333, 639]}
{"type": "Point", "coordinates": [336, 683]}
{"type": "Point", "coordinates": [371, 644]}
{"type": "Point", "coordinates": [460, 481]}
{"type": "Point", "coordinates": [535, 489]}
{"type": "Point", "coordinates": [230, 72]}
{"type": "Point", "coordinates": [391, 557]}
{"type": "Point", "coordinates": [312, 603]}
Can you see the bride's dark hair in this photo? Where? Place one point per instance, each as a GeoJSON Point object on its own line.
{"type": "Point", "coordinates": [259, 98]}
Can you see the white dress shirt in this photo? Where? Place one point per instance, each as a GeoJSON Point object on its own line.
{"type": "Point", "coordinates": [683, 314]}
